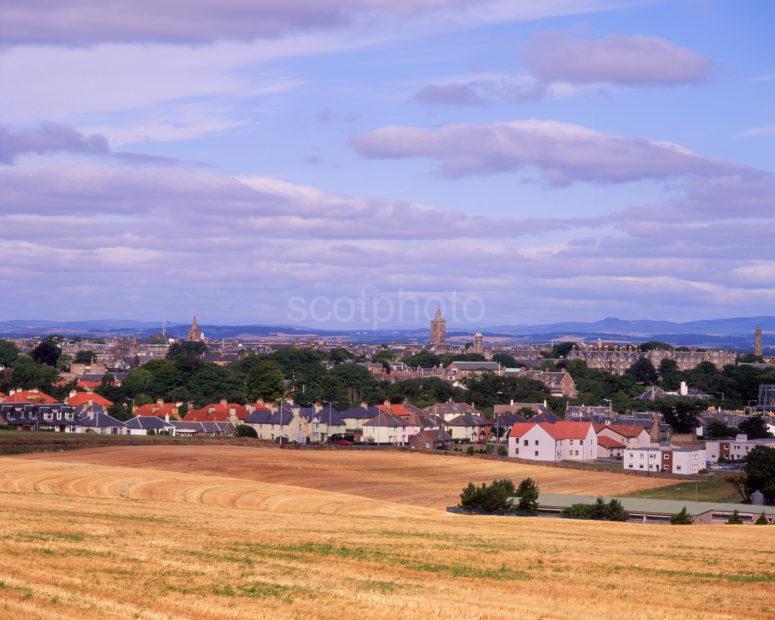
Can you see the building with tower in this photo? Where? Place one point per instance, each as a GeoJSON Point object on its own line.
{"type": "Point", "coordinates": [478, 343]}
{"type": "Point", "coordinates": [758, 346]}
{"type": "Point", "coordinates": [194, 333]}
{"type": "Point", "coordinates": [438, 329]}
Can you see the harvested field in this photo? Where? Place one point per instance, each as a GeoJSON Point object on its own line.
{"type": "Point", "coordinates": [89, 540]}
{"type": "Point", "coordinates": [420, 479]}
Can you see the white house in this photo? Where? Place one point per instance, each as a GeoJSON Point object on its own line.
{"type": "Point", "coordinates": [149, 425]}
{"type": "Point", "coordinates": [558, 441]}
{"type": "Point", "coordinates": [387, 428]}
{"type": "Point", "coordinates": [733, 449]}
{"type": "Point", "coordinates": [630, 435]}
{"type": "Point", "coordinates": [469, 428]}
{"type": "Point", "coordinates": [665, 458]}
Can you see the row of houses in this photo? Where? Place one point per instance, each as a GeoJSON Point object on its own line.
{"type": "Point", "coordinates": [64, 418]}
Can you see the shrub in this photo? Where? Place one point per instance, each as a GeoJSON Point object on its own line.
{"type": "Point", "coordinates": [681, 518]}
{"type": "Point", "coordinates": [470, 450]}
{"type": "Point", "coordinates": [244, 430]}
{"type": "Point", "coordinates": [488, 449]}
{"type": "Point", "coordinates": [528, 492]}
{"type": "Point", "coordinates": [735, 519]}
{"type": "Point", "coordinates": [762, 520]}
{"type": "Point", "coordinates": [600, 511]}
{"type": "Point", "coordinates": [493, 498]}
{"type": "Point", "coordinates": [502, 451]}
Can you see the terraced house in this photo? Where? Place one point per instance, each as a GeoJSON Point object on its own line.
{"type": "Point", "coordinates": [552, 442]}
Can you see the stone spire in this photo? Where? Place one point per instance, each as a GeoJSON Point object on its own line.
{"type": "Point", "coordinates": [438, 329]}
{"type": "Point", "coordinates": [194, 332]}
{"type": "Point", "coordinates": [758, 347]}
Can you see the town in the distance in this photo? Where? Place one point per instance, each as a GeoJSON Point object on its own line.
{"type": "Point", "coordinates": [647, 408]}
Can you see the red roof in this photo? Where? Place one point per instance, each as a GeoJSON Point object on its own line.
{"type": "Point", "coordinates": [88, 385]}
{"type": "Point", "coordinates": [30, 396]}
{"type": "Point", "coordinates": [159, 410]}
{"type": "Point", "coordinates": [216, 413]}
{"type": "Point", "coordinates": [609, 442]}
{"type": "Point", "coordinates": [557, 431]}
{"type": "Point", "coordinates": [85, 398]}
{"type": "Point", "coordinates": [626, 430]}
{"type": "Point", "coordinates": [399, 410]}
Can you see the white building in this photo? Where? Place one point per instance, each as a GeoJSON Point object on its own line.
{"type": "Point", "coordinates": [387, 428]}
{"type": "Point", "coordinates": [630, 435]}
{"type": "Point", "coordinates": [733, 449]}
{"type": "Point", "coordinates": [558, 441]}
{"type": "Point", "coordinates": [666, 459]}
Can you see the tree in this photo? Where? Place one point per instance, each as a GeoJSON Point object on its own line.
{"type": "Point", "coordinates": [64, 363]}
{"type": "Point", "coordinates": [265, 381]}
{"type": "Point", "coordinates": [423, 359]}
{"type": "Point", "coordinates": [244, 430]}
{"type": "Point", "coordinates": [681, 518]}
{"type": "Point", "coordinates": [528, 493]}
{"type": "Point", "coordinates": [506, 360]}
{"type": "Point", "coordinates": [759, 470]}
{"type": "Point", "coordinates": [669, 374]}
{"type": "Point", "coordinates": [643, 371]}
{"type": "Point", "coordinates": [492, 498]}
{"type": "Point", "coordinates": [762, 520]}
{"type": "Point", "coordinates": [681, 415]}
{"type": "Point", "coordinates": [186, 348]}
{"type": "Point", "coordinates": [47, 352]}
{"type": "Point", "coordinates": [717, 429]}
{"type": "Point", "coordinates": [561, 350]}
{"type": "Point", "coordinates": [8, 352]}
{"type": "Point", "coordinates": [339, 355]}
{"type": "Point", "coordinates": [28, 374]}
{"type": "Point", "coordinates": [735, 518]}
{"type": "Point", "coordinates": [85, 357]}
{"type": "Point", "coordinates": [651, 345]}
{"type": "Point", "coordinates": [755, 427]}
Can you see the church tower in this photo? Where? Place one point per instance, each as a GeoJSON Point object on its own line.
{"type": "Point", "coordinates": [438, 329]}
{"type": "Point", "coordinates": [194, 333]}
{"type": "Point", "coordinates": [758, 347]}
{"type": "Point", "coordinates": [478, 343]}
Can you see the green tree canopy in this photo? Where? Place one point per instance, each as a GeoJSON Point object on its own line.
{"type": "Point", "coordinates": [47, 352]}
{"type": "Point", "coordinates": [643, 371]}
{"type": "Point", "coordinates": [8, 352]}
{"type": "Point", "coordinates": [85, 357]}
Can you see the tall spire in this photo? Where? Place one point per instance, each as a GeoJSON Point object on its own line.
{"type": "Point", "coordinates": [194, 332]}
{"type": "Point", "coordinates": [438, 329]}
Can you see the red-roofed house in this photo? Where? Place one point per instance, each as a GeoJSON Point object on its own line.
{"type": "Point", "coordinates": [221, 412]}
{"type": "Point", "coordinates": [88, 385]}
{"type": "Point", "coordinates": [160, 409]}
{"type": "Point", "coordinates": [34, 396]}
{"type": "Point", "coordinates": [630, 435]}
{"type": "Point", "coordinates": [609, 448]}
{"type": "Point", "coordinates": [399, 410]}
{"type": "Point", "coordinates": [88, 399]}
{"type": "Point", "coordinates": [560, 441]}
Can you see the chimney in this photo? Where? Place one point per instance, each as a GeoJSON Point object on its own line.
{"type": "Point", "coordinates": [160, 402]}
{"type": "Point", "coordinates": [166, 417]}
{"type": "Point", "coordinates": [684, 389]}
{"type": "Point", "coordinates": [224, 401]}
{"type": "Point", "coordinates": [72, 393]}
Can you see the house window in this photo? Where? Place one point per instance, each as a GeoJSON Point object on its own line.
{"type": "Point", "coordinates": [678, 467]}
{"type": "Point", "coordinates": [665, 456]}
{"type": "Point", "coordinates": [525, 442]}
{"type": "Point", "coordinates": [536, 442]}
{"type": "Point", "coordinates": [536, 452]}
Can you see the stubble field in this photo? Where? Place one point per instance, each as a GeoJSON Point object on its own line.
{"type": "Point", "coordinates": [174, 532]}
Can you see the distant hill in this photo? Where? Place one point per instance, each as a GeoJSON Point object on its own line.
{"type": "Point", "coordinates": [732, 332]}
{"type": "Point", "coordinates": [737, 326]}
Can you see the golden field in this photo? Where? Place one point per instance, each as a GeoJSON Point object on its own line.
{"type": "Point", "coordinates": [179, 532]}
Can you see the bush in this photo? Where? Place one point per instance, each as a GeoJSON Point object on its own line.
{"type": "Point", "coordinates": [599, 511]}
{"type": "Point", "coordinates": [243, 430]}
{"type": "Point", "coordinates": [502, 451]}
{"type": "Point", "coordinates": [470, 450]}
{"type": "Point", "coordinates": [762, 520]}
{"type": "Point", "coordinates": [528, 492]}
{"type": "Point", "coordinates": [681, 518]}
{"type": "Point", "coordinates": [493, 498]}
{"type": "Point", "coordinates": [735, 519]}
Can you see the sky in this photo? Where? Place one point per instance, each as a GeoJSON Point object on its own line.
{"type": "Point", "coordinates": [357, 163]}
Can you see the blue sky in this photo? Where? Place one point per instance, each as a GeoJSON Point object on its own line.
{"type": "Point", "coordinates": [570, 159]}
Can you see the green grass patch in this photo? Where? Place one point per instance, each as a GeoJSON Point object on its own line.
{"type": "Point", "coordinates": [709, 490]}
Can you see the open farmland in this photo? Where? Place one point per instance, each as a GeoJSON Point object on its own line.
{"type": "Point", "coordinates": [420, 479]}
{"type": "Point", "coordinates": [92, 540]}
